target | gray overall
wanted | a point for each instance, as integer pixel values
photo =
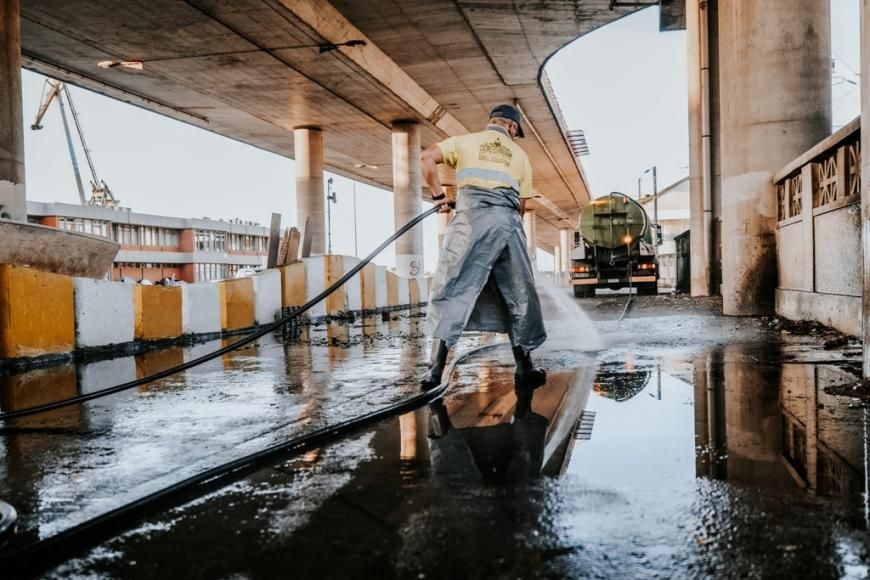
(484, 279)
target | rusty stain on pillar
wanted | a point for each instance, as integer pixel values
(408, 197)
(13, 204)
(308, 146)
(776, 104)
(865, 176)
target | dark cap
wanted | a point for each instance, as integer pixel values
(510, 113)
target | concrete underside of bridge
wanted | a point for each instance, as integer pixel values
(254, 70)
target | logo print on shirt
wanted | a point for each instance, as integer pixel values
(495, 152)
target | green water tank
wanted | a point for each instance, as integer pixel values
(613, 220)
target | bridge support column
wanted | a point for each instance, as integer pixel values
(530, 225)
(13, 203)
(566, 243)
(308, 145)
(408, 197)
(865, 174)
(557, 265)
(776, 104)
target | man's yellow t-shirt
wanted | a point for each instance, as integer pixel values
(488, 159)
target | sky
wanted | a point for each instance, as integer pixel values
(624, 85)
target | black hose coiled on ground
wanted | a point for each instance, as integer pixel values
(230, 347)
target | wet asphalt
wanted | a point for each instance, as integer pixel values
(687, 445)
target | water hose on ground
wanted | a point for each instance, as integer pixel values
(42, 554)
(230, 347)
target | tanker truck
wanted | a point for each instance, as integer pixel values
(615, 247)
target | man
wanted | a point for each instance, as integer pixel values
(484, 279)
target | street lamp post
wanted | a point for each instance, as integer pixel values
(655, 193)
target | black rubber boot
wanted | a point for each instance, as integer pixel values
(526, 375)
(436, 366)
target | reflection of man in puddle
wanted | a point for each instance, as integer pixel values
(484, 279)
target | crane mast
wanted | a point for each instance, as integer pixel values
(101, 195)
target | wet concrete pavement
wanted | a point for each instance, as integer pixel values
(691, 445)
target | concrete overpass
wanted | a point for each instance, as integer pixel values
(356, 87)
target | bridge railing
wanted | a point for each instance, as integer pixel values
(830, 171)
(818, 233)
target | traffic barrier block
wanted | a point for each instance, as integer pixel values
(267, 296)
(292, 284)
(315, 278)
(381, 299)
(336, 302)
(201, 308)
(104, 312)
(37, 313)
(157, 312)
(237, 303)
(353, 287)
(413, 291)
(368, 287)
(424, 289)
(392, 289)
(404, 291)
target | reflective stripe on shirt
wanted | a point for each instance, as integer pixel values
(489, 174)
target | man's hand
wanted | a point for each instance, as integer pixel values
(445, 205)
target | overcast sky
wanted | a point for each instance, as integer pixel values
(624, 84)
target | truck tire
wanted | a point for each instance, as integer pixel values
(584, 291)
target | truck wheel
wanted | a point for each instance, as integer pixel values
(584, 292)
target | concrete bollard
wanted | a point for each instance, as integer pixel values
(157, 312)
(37, 313)
(237, 304)
(292, 285)
(392, 290)
(267, 296)
(368, 287)
(104, 312)
(201, 309)
(315, 278)
(381, 297)
(353, 287)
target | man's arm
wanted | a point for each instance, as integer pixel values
(523, 206)
(429, 161)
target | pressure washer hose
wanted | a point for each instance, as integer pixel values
(230, 347)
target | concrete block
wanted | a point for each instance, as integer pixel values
(840, 312)
(104, 312)
(201, 308)
(315, 282)
(353, 287)
(404, 291)
(37, 313)
(237, 303)
(413, 291)
(267, 296)
(381, 298)
(292, 284)
(336, 303)
(157, 312)
(368, 287)
(392, 289)
(425, 284)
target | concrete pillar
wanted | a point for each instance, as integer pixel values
(13, 203)
(557, 264)
(308, 145)
(566, 242)
(776, 104)
(530, 225)
(865, 174)
(408, 197)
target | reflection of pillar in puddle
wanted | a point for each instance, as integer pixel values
(710, 443)
(753, 420)
(338, 336)
(414, 432)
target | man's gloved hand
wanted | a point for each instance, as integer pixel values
(445, 205)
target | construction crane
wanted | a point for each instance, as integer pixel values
(101, 195)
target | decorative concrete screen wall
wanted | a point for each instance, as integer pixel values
(201, 308)
(267, 296)
(818, 233)
(104, 312)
